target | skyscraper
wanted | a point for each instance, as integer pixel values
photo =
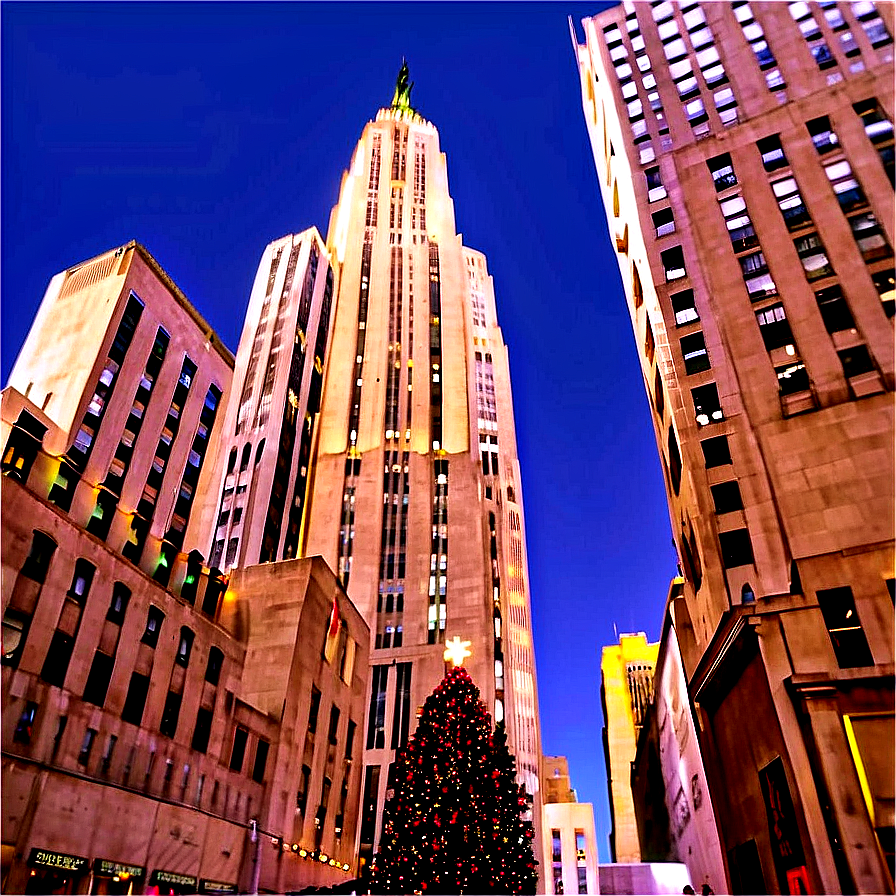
(416, 497)
(745, 156)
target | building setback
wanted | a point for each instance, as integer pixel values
(745, 157)
(162, 732)
(416, 495)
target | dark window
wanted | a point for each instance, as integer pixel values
(154, 620)
(736, 548)
(707, 408)
(202, 731)
(135, 701)
(98, 679)
(170, 714)
(215, 663)
(848, 639)
(834, 309)
(63, 489)
(792, 378)
(86, 746)
(855, 361)
(673, 263)
(376, 716)
(663, 222)
(655, 188)
(191, 579)
(24, 442)
(167, 557)
(184, 647)
(726, 496)
(684, 307)
(58, 656)
(674, 461)
(103, 513)
(314, 709)
(261, 760)
(722, 172)
(302, 793)
(693, 350)
(350, 739)
(773, 327)
(822, 136)
(884, 283)
(334, 724)
(716, 452)
(772, 153)
(38, 561)
(81, 581)
(238, 753)
(659, 399)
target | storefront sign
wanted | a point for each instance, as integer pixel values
(105, 868)
(216, 886)
(60, 861)
(172, 878)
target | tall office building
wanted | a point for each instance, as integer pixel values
(416, 497)
(256, 508)
(745, 156)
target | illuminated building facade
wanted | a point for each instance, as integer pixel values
(416, 499)
(164, 731)
(745, 156)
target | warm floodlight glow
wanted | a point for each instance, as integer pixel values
(456, 651)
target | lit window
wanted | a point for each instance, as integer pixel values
(184, 647)
(813, 257)
(707, 407)
(841, 618)
(790, 202)
(772, 153)
(774, 327)
(664, 222)
(722, 172)
(822, 136)
(655, 188)
(792, 378)
(869, 237)
(81, 581)
(684, 307)
(154, 621)
(693, 350)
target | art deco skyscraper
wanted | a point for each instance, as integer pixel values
(416, 498)
(745, 155)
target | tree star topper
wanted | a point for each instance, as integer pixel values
(456, 651)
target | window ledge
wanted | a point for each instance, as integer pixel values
(866, 384)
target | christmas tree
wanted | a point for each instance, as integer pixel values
(455, 821)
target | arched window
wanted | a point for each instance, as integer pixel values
(746, 594)
(244, 460)
(184, 646)
(231, 461)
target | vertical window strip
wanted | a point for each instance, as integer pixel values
(373, 180)
(402, 710)
(438, 570)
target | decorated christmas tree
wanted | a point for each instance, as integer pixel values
(455, 821)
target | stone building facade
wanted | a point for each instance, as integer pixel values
(745, 157)
(142, 750)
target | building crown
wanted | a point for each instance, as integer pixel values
(401, 99)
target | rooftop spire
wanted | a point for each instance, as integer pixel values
(401, 99)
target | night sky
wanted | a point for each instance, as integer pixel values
(206, 130)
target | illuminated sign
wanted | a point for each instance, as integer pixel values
(216, 886)
(43, 858)
(171, 877)
(111, 869)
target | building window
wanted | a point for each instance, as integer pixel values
(773, 327)
(261, 760)
(314, 709)
(376, 730)
(86, 746)
(736, 548)
(170, 714)
(716, 452)
(238, 753)
(855, 361)
(707, 407)
(737, 221)
(184, 647)
(673, 263)
(118, 606)
(202, 731)
(822, 136)
(834, 309)
(154, 619)
(215, 664)
(693, 350)
(726, 496)
(813, 257)
(58, 657)
(674, 461)
(302, 792)
(334, 724)
(772, 153)
(15, 631)
(25, 726)
(24, 442)
(791, 203)
(98, 679)
(659, 399)
(38, 561)
(722, 172)
(655, 188)
(684, 307)
(869, 237)
(848, 639)
(81, 581)
(846, 188)
(663, 222)
(884, 283)
(792, 378)
(103, 513)
(135, 702)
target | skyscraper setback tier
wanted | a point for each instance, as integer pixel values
(416, 497)
(745, 155)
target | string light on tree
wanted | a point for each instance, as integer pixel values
(456, 651)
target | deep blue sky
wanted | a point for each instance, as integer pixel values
(206, 130)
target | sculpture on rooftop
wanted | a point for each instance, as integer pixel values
(401, 99)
